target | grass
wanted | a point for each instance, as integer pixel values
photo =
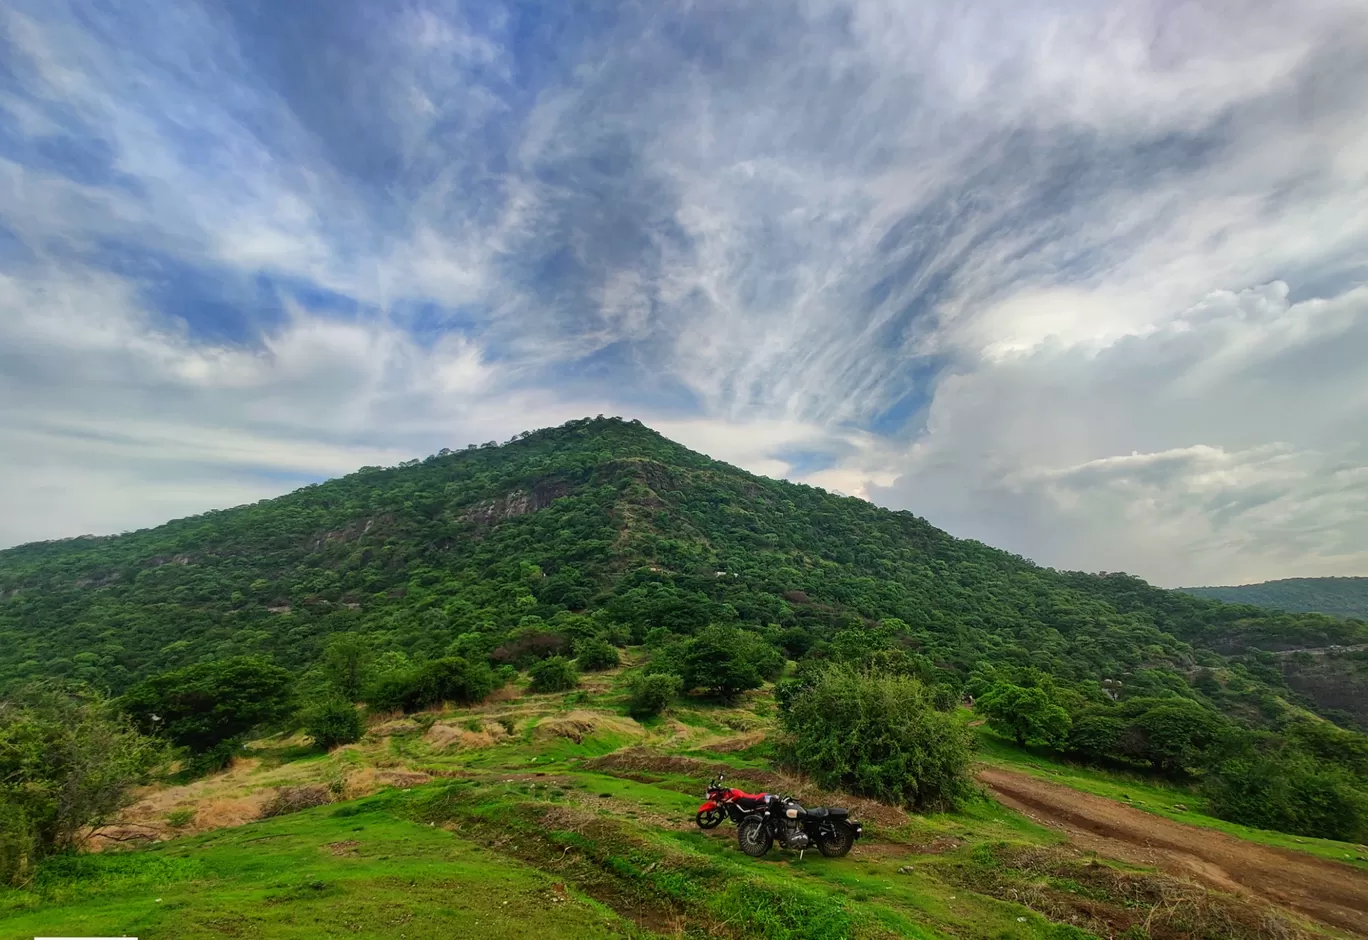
(311, 875)
(533, 839)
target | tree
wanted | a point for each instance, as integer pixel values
(1172, 735)
(1096, 736)
(595, 655)
(725, 661)
(1026, 714)
(556, 674)
(649, 695)
(209, 704)
(424, 685)
(333, 722)
(878, 735)
(1289, 792)
(346, 664)
(68, 760)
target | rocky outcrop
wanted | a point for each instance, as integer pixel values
(516, 503)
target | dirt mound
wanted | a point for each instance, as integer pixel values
(641, 759)
(1324, 890)
(579, 724)
(1109, 902)
(294, 799)
(447, 737)
(369, 780)
(739, 743)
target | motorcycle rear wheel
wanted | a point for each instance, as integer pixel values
(835, 840)
(753, 836)
(709, 818)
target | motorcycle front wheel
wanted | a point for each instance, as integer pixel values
(709, 818)
(835, 840)
(754, 836)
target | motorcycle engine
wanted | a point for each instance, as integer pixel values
(792, 833)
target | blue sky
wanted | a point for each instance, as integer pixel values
(1082, 280)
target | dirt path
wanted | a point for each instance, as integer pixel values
(1318, 888)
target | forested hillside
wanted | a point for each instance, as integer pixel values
(1342, 597)
(603, 527)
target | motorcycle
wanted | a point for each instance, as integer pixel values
(721, 802)
(784, 820)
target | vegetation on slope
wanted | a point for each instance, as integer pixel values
(438, 581)
(599, 524)
(554, 829)
(1341, 597)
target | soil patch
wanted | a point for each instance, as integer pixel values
(578, 724)
(1109, 902)
(1318, 888)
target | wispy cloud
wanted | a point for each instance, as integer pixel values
(1082, 280)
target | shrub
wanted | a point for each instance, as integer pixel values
(1024, 714)
(649, 695)
(450, 679)
(595, 655)
(346, 663)
(528, 645)
(207, 704)
(333, 722)
(180, 818)
(656, 637)
(725, 661)
(1291, 794)
(556, 674)
(1172, 735)
(1096, 736)
(68, 760)
(19, 847)
(876, 734)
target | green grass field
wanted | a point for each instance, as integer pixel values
(533, 833)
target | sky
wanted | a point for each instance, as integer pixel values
(1086, 281)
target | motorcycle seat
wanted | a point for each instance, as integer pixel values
(822, 812)
(751, 800)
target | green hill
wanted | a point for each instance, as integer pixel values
(599, 524)
(1341, 597)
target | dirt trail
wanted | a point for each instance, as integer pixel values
(1329, 892)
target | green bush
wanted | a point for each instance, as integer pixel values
(333, 722)
(649, 695)
(1096, 736)
(346, 663)
(878, 735)
(722, 661)
(68, 760)
(19, 847)
(1289, 793)
(1172, 734)
(180, 818)
(1024, 714)
(656, 637)
(450, 679)
(208, 704)
(595, 655)
(556, 674)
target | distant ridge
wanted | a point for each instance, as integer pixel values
(1340, 597)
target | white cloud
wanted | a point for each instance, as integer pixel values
(1106, 261)
(1226, 445)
